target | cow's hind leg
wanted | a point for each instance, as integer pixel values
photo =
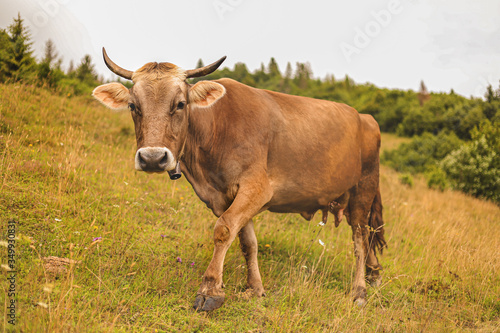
(373, 269)
(359, 207)
(249, 247)
(376, 241)
(359, 236)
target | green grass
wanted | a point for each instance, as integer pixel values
(67, 176)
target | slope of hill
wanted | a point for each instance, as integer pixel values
(136, 245)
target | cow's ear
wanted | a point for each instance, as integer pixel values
(113, 95)
(206, 93)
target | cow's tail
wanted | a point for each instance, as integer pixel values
(376, 223)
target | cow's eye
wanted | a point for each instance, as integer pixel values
(134, 109)
(181, 105)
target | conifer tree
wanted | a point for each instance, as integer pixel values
(302, 75)
(49, 69)
(50, 53)
(423, 94)
(242, 74)
(260, 75)
(71, 68)
(288, 71)
(199, 64)
(86, 71)
(20, 61)
(273, 69)
(240, 71)
(4, 54)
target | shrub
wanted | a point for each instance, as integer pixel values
(436, 179)
(422, 153)
(406, 179)
(474, 168)
(416, 122)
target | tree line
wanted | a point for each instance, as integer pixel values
(18, 63)
(455, 140)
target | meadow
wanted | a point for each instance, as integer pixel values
(132, 247)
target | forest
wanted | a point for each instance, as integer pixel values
(454, 140)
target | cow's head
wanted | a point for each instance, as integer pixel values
(159, 101)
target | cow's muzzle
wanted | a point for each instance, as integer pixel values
(154, 159)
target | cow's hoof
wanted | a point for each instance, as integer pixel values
(250, 292)
(208, 303)
(360, 302)
(375, 282)
(258, 290)
(359, 296)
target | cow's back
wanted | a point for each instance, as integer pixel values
(311, 148)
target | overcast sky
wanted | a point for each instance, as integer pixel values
(450, 44)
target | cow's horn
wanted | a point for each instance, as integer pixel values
(202, 71)
(126, 74)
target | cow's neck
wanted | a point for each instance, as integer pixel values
(200, 137)
(198, 159)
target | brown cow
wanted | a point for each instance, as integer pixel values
(246, 150)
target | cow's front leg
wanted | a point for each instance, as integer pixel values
(360, 201)
(248, 202)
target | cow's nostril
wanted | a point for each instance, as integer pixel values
(164, 160)
(141, 160)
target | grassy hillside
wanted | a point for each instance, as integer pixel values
(141, 242)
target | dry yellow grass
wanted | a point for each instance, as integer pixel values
(392, 141)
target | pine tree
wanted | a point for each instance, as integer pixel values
(240, 71)
(50, 54)
(4, 54)
(71, 68)
(348, 83)
(423, 94)
(273, 69)
(49, 69)
(302, 75)
(20, 62)
(492, 105)
(491, 94)
(286, 81)
(199, 64)
(329, 78)
(260, 75)
(288, 71)
(241, 74)
(86, 71)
